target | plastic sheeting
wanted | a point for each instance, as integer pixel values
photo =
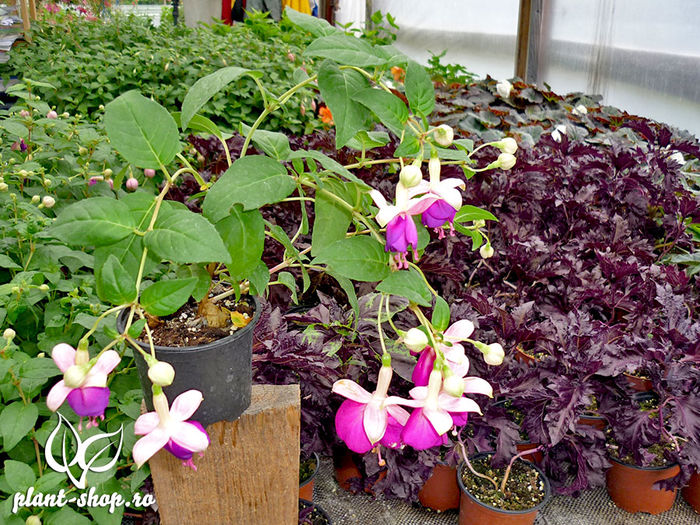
(643, 56)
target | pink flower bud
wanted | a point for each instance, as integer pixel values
(95, 180)
(52, 114)
(24, 113)
(132, 184)
(149, 172)
(290, 56)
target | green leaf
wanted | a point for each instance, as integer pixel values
(115, 284)
(466, 145)
(389, 109)
(287, 279)
(49, 481)
(329, 164)
(409, 147)
(19, 475)
(349, 289)
(472, 213)
(259, 278)
(205, 88)
(166, 297)
(419, 89)
(357, 258)
(137, 327)
(243, 233)
(409, 284)
(15, 128)
(277, 233)
(315, 26)
(183, 236)
(142, 130)
(338, 88)
(67, 516)
(367, 140)
(274, 144)
(16, 421)
(95, 221)
(332, 219)
(346, 50)
(252, 181)
(39, 368)
(199, 123)
(203, 279)
(441, 314)
(6, 262)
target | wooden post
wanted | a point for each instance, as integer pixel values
(32, 9)
(248, 475)
(528, 40)
(24, 14)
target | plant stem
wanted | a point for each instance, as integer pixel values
(379, 323)
(465, 457)
(512, 461)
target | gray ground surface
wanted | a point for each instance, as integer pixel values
(591, 508)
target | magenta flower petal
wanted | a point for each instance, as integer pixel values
(459, 418)
(421, 373)
(350, 428)
(419, 433)
(438, 214)
(89, 401)
(183, 452)
(392, 435)
(401, 233)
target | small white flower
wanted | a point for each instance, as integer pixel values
(48, 201)
(444, 135)
(558, 132)
(580, 110)
(486, 251)
(9, 334)
(504, 88)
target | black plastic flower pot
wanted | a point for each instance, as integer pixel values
(221, 370)
(312, 514)
(472, 511)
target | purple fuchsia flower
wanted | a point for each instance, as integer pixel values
(453, 352)
(436, 411)
(447, 199)
(168, 428)
(84, 382)
(365, 419)
(400, 229)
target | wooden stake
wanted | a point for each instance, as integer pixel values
(249, 475)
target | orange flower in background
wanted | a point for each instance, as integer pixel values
(326, 116)
(399, 74)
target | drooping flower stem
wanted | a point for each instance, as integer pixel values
(465, 457)
(99, 320)
(425, 280)
(512, 461)
(379, 324)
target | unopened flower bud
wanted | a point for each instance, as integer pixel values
(486, 251)
(507, 145)
(444, 135)
(504, 88)
(149, 172)
(101, 107)
(506, 161)
(3, 186)
(75, 376)
(24, 113)
(41, 354)
(65, 114)
(33, 520)
(434, 169)
(44, 287)
(161, 373)
(94, 180)
(580, 110)
(9, 334)
(23, 173)
(132, 184)
(52, 114)
(558, 132)
(415, 339)
(35, 199)
(453, 385)
(479, 223)
(48, 201)
(290, 56)
(47, 183)
(410, 176)
(494, 354)
(82, 150)
(107, 173)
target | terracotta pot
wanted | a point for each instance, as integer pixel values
(535, 457)
(440, 491)
(306, 487)
(640, 384)
(522, 356)
(691, 492)
(593, 420)
(632, 488)
(474, 512)
(345, 464)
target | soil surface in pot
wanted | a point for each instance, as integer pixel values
(306, 468)
(311, 515)
(524, 489)
(187, 327)
(655, 452)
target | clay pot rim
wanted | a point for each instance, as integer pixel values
(638, 467)
(547, 488)
(165, 350)
(313, 474)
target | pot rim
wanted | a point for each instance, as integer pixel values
(313, 474)
(317, 507)
(547, 488)
(638, 467)
(197, 348)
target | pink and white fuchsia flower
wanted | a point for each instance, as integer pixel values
(84, 383)
(448, 200)
(167, 428)
(401, 231)
(453, 353)
(365, 419)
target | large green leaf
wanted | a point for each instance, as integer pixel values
(206, 87)
(19, 476)
(338, 88)
(166, 297)
(357, 258)
(116, 284)
(441, 314)
(252, 181)
(408, 284)
(472, 213)
(142, 130)
(16, 421)
(346, 50)
(95, 221)
(243, 233)
(183, 236)
(389, 109)
(315, 26)
(330, 164)
(272, 143)
(419, 89)
(332, 219)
